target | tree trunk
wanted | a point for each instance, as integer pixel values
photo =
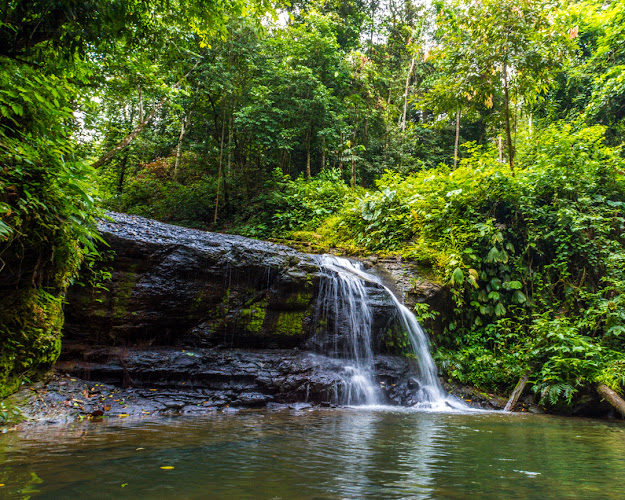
(122, 175)
(341, 155)
(518, 390)
(221, 155)
(110, 154)
(500, 148)
(403, 119)
(612, 397)
(183, 130)
(140, 105)
(228, 172)
(457, 138)
(506, 100)
(308, 136)
(354, 160)
(323, 152)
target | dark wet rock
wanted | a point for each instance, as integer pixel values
(163, 383)
(183, 287)
(414, 285)
(218, 378)
(193, 322)
(173, 286)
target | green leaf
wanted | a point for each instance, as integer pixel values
(519, 297)
(500, 310)
(493, 255)
(457, 277)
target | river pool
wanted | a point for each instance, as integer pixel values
(320, 454)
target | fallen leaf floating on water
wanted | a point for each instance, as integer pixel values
(166, 467)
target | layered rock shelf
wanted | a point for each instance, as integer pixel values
(229, 319)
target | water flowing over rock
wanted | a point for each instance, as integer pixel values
(235, 321)
(344, 296)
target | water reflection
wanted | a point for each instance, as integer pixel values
(346, 453)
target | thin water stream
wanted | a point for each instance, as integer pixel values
(330, 454)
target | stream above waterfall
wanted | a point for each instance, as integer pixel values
(321, 453)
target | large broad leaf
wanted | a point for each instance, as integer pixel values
(493, 255)
(500, 310)
(519, 297)
(457, 277)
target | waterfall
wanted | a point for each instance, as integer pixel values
(344, 297)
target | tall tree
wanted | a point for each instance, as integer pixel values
(507, 48)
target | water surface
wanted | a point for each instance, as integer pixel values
(320, 454)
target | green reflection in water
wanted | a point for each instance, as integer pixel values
(346, 453)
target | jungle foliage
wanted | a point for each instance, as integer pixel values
(478, 139)
(534, 261)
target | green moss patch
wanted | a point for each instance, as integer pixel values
(123, 293)
(290, 323)
(253, 317)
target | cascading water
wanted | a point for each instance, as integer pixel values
(344, 296)
(343, 293)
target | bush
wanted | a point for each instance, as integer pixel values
(46, 219)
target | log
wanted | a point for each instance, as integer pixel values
(612, 397)
(518, 390)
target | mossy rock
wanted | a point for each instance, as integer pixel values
(290, 323)
(125, 286)
(30, 338)
(252, 318)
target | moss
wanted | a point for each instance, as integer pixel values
(199, 301)
(31, 338)
(301, 299)
(290, 323)
(253, 318)
(124, 292)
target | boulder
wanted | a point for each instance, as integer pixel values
(187, 309)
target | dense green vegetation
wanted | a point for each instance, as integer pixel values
(480, 140)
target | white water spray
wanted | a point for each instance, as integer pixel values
(344, 291)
